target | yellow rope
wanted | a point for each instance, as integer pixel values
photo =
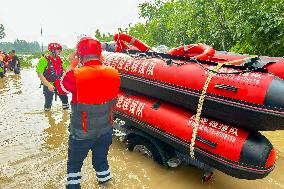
(201, 101)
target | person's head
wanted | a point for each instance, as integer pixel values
(12, 53)
(89, 50)
(54, 49)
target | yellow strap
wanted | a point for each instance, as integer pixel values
(201, 101)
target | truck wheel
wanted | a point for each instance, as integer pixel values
(145, 147)
(207, 176)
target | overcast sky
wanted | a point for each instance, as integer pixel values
(64, 20)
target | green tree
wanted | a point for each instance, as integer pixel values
(21, 46)
(2, 31)
(98, 34)
(255, 27)
(103, 37)
(258, 26)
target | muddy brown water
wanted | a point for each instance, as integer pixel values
(33, 150)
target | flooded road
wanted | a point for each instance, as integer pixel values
(33, 150)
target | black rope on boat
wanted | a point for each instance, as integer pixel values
(223, 73)
(246, 67)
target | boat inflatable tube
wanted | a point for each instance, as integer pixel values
(251, 100)
(121, 38)
(234, 151)
(198, 51)
(274, 65)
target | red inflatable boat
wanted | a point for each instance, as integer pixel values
(234, 151)
(121, 39)
(246, 98)
(274, 65)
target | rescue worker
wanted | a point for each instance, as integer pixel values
(14, 62)
(49, 68)
(3, 63)
(94, 89)
(5, 60)
(2, 67)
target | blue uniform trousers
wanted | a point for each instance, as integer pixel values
(78, 151)
(48, 96)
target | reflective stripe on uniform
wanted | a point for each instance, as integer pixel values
(104, 179)
(74, 174)
(65, 105)
(74, 178)
(74, 181)
(101, 173)
(62, 86)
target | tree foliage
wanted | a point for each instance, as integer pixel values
(103, 37)
(255, 27)
(2, 31)
(21, 46)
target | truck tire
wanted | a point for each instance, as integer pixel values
(145, 147)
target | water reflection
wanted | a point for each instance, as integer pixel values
(11, 84)
(16, 83)
(3, 85)
(56, 133)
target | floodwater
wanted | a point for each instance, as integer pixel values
(33, 150)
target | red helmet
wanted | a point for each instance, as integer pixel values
(89, 46)
(54, 46)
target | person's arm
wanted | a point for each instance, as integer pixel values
(45, 82)
(41, 66)
(66, 84)
(74, 60)
(16, 61)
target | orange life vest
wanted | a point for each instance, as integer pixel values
(96, 84)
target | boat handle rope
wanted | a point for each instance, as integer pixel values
(201, 102)
(225, 73)
(224, 63)
(244, 68)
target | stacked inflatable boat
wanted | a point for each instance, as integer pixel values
(160, 92)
